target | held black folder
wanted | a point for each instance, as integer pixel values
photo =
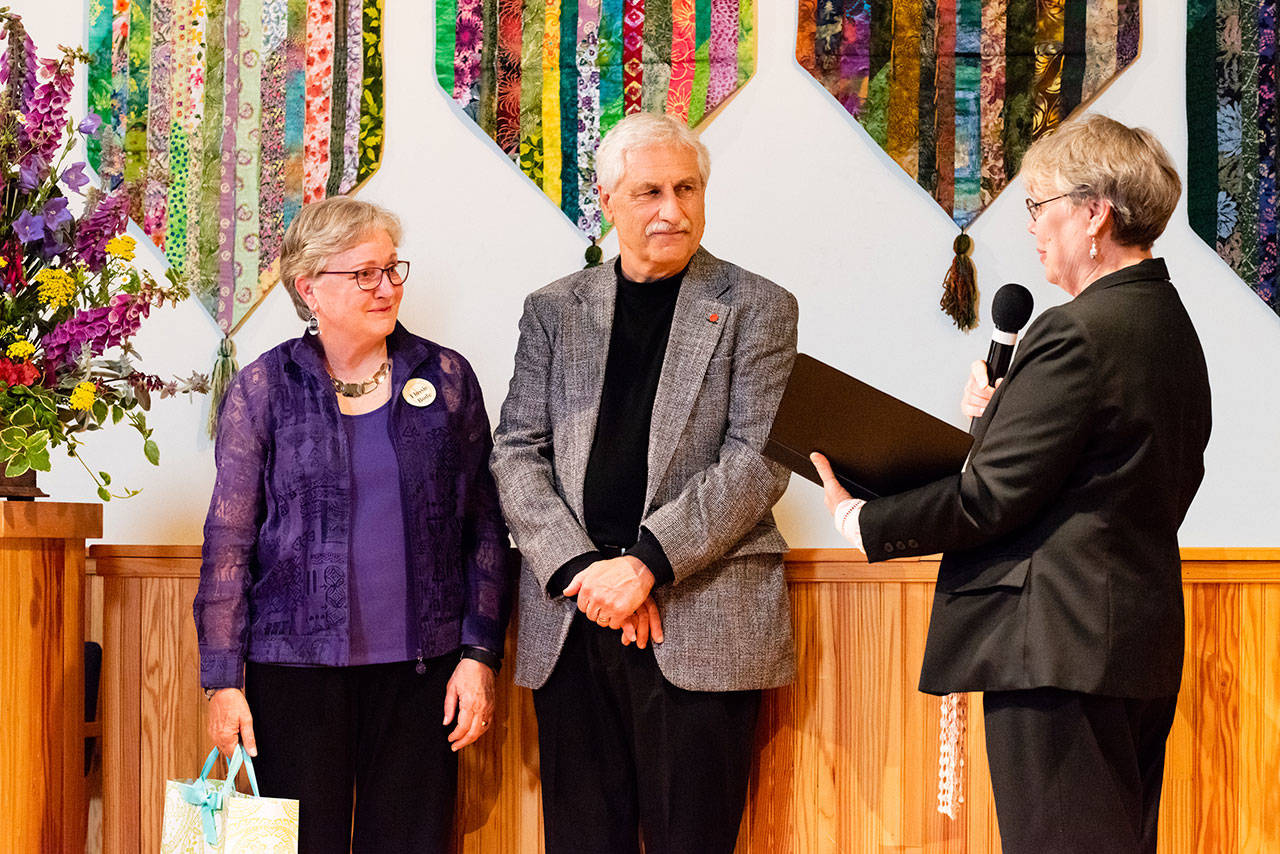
(877, 444)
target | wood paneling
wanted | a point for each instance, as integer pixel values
(152, 707)
(846, 757)
(41, 673)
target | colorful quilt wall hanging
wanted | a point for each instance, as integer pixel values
(1231, 136)
(222, 117)
(956, 90)
(546, 79)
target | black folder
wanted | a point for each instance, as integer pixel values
(877, 444)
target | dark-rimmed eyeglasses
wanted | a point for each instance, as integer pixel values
(1033, 207)
(369, 278)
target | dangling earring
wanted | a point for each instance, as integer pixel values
(313, 324)
(1093, 249)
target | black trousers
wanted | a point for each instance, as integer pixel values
(1076, 772)
(625, 752)
(358, 746)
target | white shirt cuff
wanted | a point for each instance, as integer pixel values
(846, 520)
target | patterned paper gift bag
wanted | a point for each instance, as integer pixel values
(205, 816)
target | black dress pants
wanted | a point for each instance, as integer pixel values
(1076, 772)
(358, 746)
(624, 752)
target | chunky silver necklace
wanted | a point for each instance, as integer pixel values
(361, 388)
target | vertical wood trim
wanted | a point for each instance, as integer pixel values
(918, 795)
(165, 753)
(122, 736)
(1259, 746)
(70, 560)
(115, 802)
(1216, 640)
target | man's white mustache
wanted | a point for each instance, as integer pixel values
(664, 227)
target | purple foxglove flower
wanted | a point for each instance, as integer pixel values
(74, 176)
(47, 110)
(55, 213)
(99, 328)
(107, 219)
(89, 126)
(28, 227)
(18, 70)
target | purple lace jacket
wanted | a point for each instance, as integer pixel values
(273, 581)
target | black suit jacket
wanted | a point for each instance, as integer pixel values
(1061, 564)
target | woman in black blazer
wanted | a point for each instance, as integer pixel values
(1059, 594)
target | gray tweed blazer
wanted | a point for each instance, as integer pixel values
(726, 619)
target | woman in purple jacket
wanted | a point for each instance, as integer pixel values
(354, 586)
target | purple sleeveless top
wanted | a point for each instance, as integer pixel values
(377, 576)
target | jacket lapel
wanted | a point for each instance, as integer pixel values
(693, 338)
(585, 341)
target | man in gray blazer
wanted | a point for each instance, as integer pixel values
(629, 468)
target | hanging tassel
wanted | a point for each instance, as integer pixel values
(224, 371)
(960, 297)
(594, 255)
(951, 729)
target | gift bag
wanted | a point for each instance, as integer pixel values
(205, 816)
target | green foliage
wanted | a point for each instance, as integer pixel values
(54, 388)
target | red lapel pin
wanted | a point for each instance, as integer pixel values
(714, 318)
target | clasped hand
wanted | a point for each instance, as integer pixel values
(614, 593)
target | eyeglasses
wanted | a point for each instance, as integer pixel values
(1033, 207)
(369, 278)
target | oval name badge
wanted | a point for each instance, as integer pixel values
(419, 392)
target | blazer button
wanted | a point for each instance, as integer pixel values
(913, 544)
(888, 547)
(902, 546)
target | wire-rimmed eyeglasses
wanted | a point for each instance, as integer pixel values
(369, 278)
(1033, 207)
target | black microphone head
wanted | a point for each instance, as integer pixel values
(1011, 307)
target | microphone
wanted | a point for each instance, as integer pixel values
(1010, 311)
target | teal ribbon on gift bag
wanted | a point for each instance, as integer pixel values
(211, 795)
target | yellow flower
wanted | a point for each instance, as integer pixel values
(82, 396)
(121, 247)
(56, 287)
(21, 350)
(3, 262)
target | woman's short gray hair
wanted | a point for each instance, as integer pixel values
(1098, 157)
(323, 229)
(643, 130)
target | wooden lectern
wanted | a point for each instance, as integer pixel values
(42, 806)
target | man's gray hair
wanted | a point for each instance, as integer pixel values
(644, 130)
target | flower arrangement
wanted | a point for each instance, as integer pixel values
(70, 301)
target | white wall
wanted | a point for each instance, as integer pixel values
(798, 193)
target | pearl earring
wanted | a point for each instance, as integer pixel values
(1093, 247)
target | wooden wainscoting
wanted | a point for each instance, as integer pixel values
(846, 757)
(42, 802)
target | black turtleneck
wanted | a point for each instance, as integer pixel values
(617, 472)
